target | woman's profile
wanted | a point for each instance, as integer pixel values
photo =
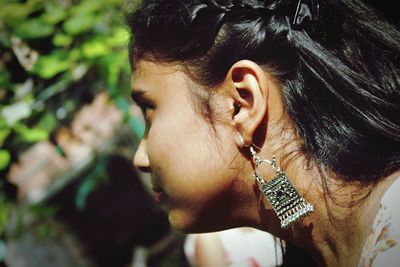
(278, 115)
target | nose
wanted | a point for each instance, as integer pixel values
(141, 160)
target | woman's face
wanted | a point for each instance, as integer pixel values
(192, 173)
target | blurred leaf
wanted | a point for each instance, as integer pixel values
(4, 39)
(33, 28)
(48, 122)
(43, 211)
(86, 7)
(2, 249)
(3, 123)
(92, 181)
(113, 64)
(119, 37)
(55, 88)
(5, 159)
(50, 65)
(79, 24)
(16, 112)
(2, 94)
(112, 2)
(4, 212)
(4, 133)
(4, 77)
(95, 49)
(12, 11)
(75, 54)
(31, 134)
(54, 14)
(83, 192)
(70, 105)
(43, 231)
(136, 125)
(62, 39)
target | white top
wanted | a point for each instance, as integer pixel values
(386, 251)
(243, 247)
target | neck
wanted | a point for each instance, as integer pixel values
(335, 234)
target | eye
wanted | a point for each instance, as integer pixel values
(146, 108)
(140, 98)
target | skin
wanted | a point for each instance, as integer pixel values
(209, 251)
(203, 176)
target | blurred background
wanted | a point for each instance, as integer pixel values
(69, 195)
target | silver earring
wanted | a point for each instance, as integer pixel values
(288, 205)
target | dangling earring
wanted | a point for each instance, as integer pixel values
(288, 205)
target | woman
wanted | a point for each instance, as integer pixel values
(279, 115)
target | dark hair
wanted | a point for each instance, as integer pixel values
(339, 77)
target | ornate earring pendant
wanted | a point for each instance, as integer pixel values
(288, 205)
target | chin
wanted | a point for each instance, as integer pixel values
(180, 223)
(187, 224)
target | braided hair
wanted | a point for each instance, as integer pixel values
(338, 67)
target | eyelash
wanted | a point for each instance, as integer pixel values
(145, 107)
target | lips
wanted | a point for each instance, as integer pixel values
(159, 198)
(156, 189)
(159, 195)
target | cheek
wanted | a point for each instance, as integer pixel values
(181, 151)
(187, 162)
(192, 167)
(179, 137)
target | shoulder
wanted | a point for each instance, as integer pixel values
(387, 250)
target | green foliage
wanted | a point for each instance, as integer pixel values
(44, 214)
(43, 211)
(3, 135)
(92, 181)
(51, 53)
(30, 135)
(58, 60)
(51, 47)
(5, 207)
(33, 28)
(5, 159)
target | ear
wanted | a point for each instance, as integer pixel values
(249, 83)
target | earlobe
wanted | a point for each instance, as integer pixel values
(250, 86)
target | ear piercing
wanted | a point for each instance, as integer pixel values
(236, 108)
